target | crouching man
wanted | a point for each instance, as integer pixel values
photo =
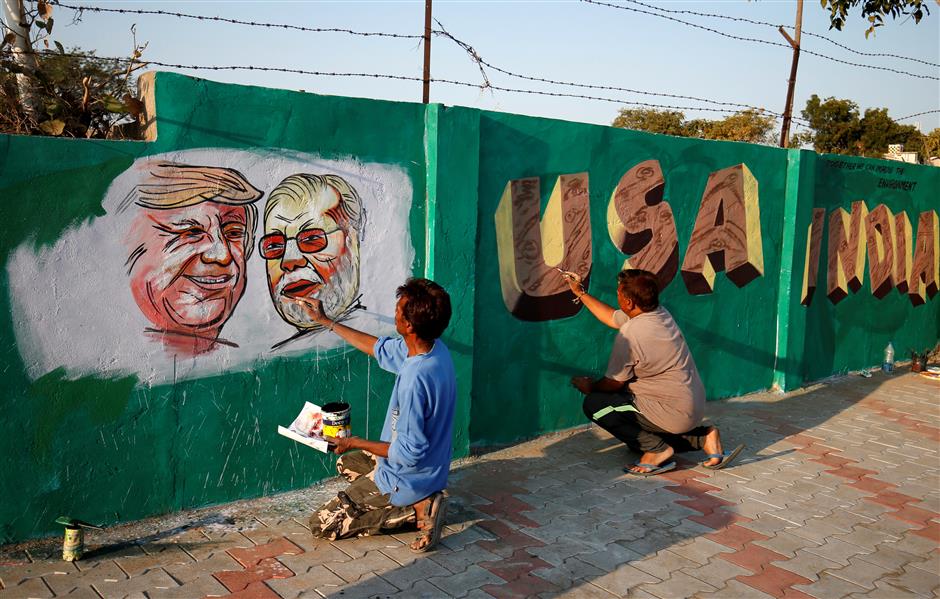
(651, 396)
(401, 478)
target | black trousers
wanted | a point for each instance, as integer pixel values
(611, 411)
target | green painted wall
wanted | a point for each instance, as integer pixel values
(111, 448)
(731, 331)
(108, 450)
(853, 333)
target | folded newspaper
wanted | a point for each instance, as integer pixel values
(307, 428)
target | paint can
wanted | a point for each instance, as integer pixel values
(73, 546)
(336, 419)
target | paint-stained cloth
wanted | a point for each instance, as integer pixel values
(651, 354)
(361, 509)
(419, 423)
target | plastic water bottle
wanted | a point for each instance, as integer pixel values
(888, 364)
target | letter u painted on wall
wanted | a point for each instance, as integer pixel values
(530, 249)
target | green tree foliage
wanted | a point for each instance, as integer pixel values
(838, 128)
(874, 11)
(70, 94)
(931, 145)
(747, 125)
(667, 122)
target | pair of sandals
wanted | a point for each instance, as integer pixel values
(430, 520)
(653, 469)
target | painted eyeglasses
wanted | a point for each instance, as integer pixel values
(309, 241)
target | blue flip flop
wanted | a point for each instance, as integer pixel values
(726, 458)
(654, 469)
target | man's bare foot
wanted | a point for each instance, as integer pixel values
(712, 445)
(429, 515)
(657, 459)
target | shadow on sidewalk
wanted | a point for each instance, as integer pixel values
(545, 517)
(551, 515)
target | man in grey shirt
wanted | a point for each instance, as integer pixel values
(651, 396)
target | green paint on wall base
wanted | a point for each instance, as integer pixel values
(110, 448)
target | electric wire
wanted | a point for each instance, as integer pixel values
(761, 41)
(777, 26)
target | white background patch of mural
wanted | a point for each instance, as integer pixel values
(177, 279)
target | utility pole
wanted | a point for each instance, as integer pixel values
(427, 51)
(795, 43)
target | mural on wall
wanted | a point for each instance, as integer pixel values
(811, 264)
(169, 264)
(530, 250)
(324, 217)
(640, 222)
(726, 235)
(189, 243)
(846, 265)
(886, 240)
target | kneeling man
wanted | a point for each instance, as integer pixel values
(651, 397)
(401, 478)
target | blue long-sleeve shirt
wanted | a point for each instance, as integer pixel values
(419, 423)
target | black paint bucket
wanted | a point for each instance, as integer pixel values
(336, 419)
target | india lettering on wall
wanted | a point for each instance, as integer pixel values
(195, 265)
(895, 259)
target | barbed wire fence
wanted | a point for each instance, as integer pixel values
(692, 103)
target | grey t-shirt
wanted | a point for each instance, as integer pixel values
(651, 349)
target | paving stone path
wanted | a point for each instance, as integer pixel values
(837, 495)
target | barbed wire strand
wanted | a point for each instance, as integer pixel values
(379, 76)
(83, 8)
(475, 56)
(776, 26)
(760, 41)
(469, 49)
(910, 116)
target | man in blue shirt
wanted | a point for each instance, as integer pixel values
(401, 478)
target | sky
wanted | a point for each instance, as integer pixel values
(571, 41)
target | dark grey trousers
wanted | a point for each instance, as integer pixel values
(611, 411)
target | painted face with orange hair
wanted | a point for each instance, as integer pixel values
(190, 242)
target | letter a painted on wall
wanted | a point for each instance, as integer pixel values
(641, 223)
(727, 232)
(529, 250)
(924, 273)
(879, 232)
(811, 265)
(846, 261)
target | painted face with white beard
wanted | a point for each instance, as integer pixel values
(311, 246)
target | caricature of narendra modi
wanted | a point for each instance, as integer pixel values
(312, 228)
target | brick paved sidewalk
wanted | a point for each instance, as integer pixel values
(837, 495)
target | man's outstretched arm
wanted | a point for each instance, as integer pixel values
(599, 309)
(344, 444)
(364, 342)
